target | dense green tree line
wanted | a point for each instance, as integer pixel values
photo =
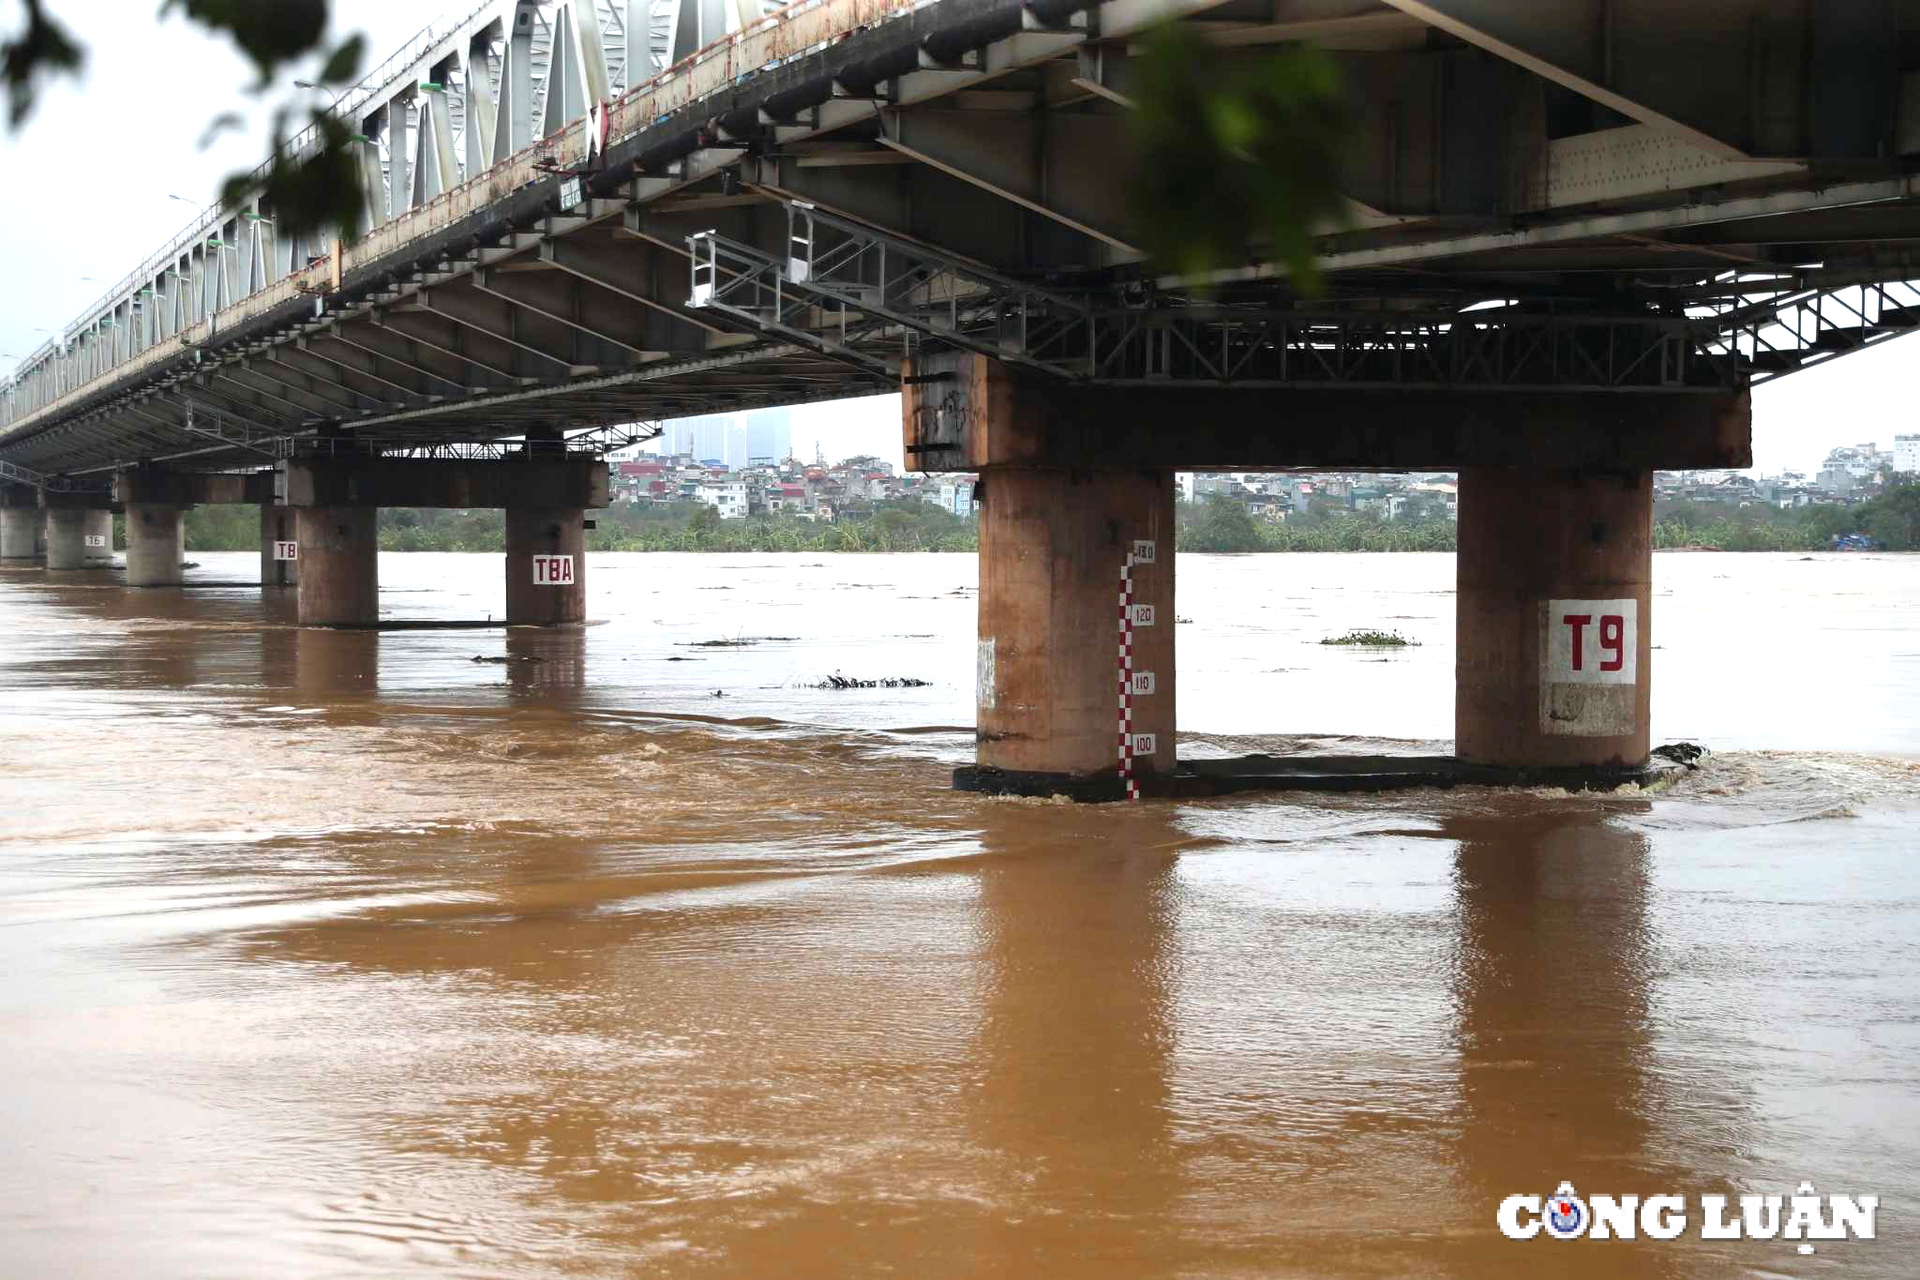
(1219, 524)
(892, 526)
(1892, 520)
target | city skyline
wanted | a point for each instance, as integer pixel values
(735, 439)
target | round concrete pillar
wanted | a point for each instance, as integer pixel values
(277, 536)
(79, 538)
(339, 566)
(154, 535)
(546, 566)
(1555, 581)
(19, 532)
(1053, 545)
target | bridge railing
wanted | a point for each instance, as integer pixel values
(300, 144)
(762, 43)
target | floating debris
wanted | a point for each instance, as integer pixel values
(1680, 753)
(1371, 639)
(738, 642)
(838, 681)
(502, 661)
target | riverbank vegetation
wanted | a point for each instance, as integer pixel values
(1219, 525)
(892, 526)
(1892, 520)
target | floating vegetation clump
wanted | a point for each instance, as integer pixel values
(837, 681)
(1371, 639)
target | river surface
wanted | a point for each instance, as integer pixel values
(343, 954)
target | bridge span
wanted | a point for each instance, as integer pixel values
(1578, 232)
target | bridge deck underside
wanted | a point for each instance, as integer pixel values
(1000, 153)
(238, 425)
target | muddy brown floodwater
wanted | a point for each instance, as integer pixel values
(345, 954)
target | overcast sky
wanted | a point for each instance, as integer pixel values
(90, 175)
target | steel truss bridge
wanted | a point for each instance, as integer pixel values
(580, 214)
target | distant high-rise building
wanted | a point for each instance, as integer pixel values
(769, 434)
(713, 437)
(732, 438)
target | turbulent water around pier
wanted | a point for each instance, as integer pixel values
(621, 952)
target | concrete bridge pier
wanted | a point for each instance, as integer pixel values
(156, 544)
(1061, 681)
(79, 531)
(19, 533)
(546, 566)
(339, 566)
(1554, 633)
(545, 495)
(20, 523)
(1554, 566)
(277, 530)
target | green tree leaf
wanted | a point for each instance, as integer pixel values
(42, 47)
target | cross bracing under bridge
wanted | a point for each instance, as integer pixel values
(1534, 202)
(851, 291)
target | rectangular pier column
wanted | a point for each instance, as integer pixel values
(79, 538)
(19, 533)
(546, 566)
(1555, 573)
(155, 536)
(1053, 544)
(277, 533)
(339, 566)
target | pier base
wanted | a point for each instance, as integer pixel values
(1554, 634)
(79, 538)
(546, 566)
(1053, 544)
(339, 566)
(1197, 779)
(155, 538)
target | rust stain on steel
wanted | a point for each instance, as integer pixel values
(775, 38)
